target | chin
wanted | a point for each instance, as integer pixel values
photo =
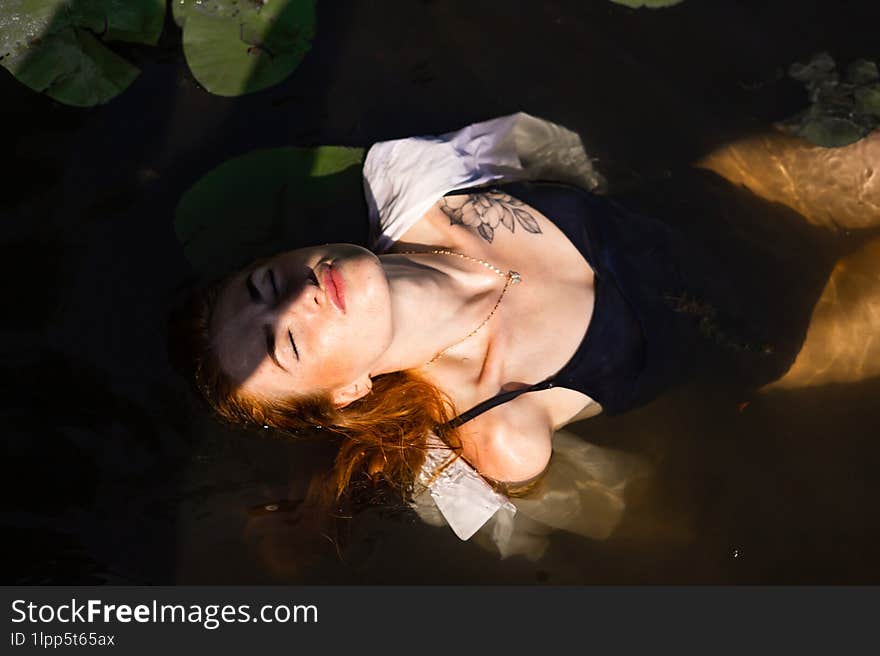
(368, 291)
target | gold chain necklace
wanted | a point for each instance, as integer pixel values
(512, 278)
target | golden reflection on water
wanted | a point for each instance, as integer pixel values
(837, 189)
(284, 536)
(843, 339)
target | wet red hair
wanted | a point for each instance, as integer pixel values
(382, 436)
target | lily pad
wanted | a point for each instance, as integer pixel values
(57, 46)
(841, 111)
(820, 67)
(868, 100)
(862, 71)
(271, 200)
(831, 132)
(234, 47)
(649, 4)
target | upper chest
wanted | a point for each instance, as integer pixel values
(539, 324)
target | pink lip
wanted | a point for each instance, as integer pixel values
(334, 286)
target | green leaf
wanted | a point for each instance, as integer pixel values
(56, 46)
(649, 4)
(180, 10)
(862, 71)
(74, 68)
(268, 201)
(134, 21)
(841, 111)
(820, 68)
(831, 132)
(868, 100)
(234, 47)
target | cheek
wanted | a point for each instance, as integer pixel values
(352, 348)
(266, 380)
(340, 357)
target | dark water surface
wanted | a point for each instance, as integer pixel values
(116, 475)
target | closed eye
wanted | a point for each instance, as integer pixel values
(270, 346)
(293, 344)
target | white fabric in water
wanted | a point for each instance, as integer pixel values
(461, 495)
(582, 492)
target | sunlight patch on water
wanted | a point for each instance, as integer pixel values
(843, 340)
(836, 188)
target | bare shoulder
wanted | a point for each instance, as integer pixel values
(510, 445)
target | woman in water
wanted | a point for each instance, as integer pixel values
(493, 309)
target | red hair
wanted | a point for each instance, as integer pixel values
(382, 436)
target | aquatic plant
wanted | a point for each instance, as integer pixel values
(266, 201)
(841, 111)
(58, 47)
(649, 4)
(234, 47)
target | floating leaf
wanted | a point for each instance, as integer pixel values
(841, 111)
(268, 201)
(868, 100)
(56, 46)
(180, 10)
(819, 68)
(831, 132)
(234, 47)
(862, 71)
(649, 4)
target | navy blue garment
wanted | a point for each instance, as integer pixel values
(633, 345)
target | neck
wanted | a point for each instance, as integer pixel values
(435, 301)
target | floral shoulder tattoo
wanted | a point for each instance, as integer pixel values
(488, 211)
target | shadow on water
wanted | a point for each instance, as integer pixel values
(130, 481)
(119, 461)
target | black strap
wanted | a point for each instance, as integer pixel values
(498, 399)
